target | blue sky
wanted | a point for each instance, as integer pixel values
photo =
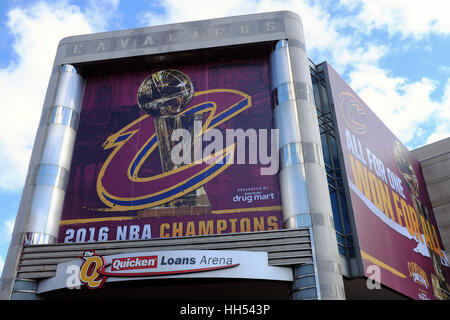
(393, 53)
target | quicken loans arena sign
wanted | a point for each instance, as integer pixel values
(93, 270)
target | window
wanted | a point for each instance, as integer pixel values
(332, 165)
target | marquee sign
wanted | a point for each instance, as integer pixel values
(93, 270)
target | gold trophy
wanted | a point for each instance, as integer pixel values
(440, 285)
(164, 95)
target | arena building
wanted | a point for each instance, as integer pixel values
(213, 160)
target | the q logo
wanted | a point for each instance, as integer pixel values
(89, 271)
(351, 110)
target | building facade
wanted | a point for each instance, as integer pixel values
(213, 159)
(435, 164)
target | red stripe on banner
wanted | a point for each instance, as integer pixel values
(143, 274)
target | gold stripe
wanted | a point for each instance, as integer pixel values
(66, 222)
(368, 257)
(247, 209)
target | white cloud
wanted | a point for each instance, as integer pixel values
(6, 229)
(415, 18)
(442, 130)
(322, 36)
(444, 69)
(100, 13)
(182, 11)
(404, 106)
(37, 31)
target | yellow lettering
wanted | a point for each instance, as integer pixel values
(190, 229)
(415, 223)
(233, 225)
(426, 233)
(162, 230)
(397, 208)
(177, 229)
(436, 241)
(258, 224)
(360, 176)
(375, 191)
(205, 227)
(245, 225)
(221, 226)
(405, 212)
(386, 200)
(272, 223)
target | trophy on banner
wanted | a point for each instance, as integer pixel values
(164, 95)
(440, 286)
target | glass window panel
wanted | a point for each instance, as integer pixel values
(326, 151)
(342, 250)
(324, 97)
(351, 252)
(345, 213)
(333, 150)
(340, 238)
(316, 92)
(335, 208)
(331, 181)
(350, 241)
(332, 166)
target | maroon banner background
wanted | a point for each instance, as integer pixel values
(241, 198)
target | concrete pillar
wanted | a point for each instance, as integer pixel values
(41, 205)
(304, 187)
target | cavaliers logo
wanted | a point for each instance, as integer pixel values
(168, 98)
(351, 109)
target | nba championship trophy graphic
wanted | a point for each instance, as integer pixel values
(164, 95)
(440, 286)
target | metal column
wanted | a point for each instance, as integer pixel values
(42, 199)
(304, 188)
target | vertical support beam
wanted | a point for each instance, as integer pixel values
(25, 289)
(49, 177)
(304, 187)
(41, 205)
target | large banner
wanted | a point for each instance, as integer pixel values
(396, 228)
(174, 151)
